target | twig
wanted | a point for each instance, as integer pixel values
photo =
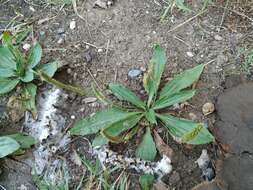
(106, 52)
(223, 16)
(92, 45)
(93, 78)
(189, 20)
(179, 39)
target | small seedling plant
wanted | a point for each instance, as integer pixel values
(118, 125)
(21, 69)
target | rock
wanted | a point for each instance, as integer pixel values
(174, 178)
(218, 37)
(206, 166)
(189, 54)
(208, 108)
(104, 4)
(88, 57)
(100, 50)
(203, 160)
(60, 41)
(237, 172)
(60, 31)
(234, 129)
(209, 186)
(134, 73)
(72, 25)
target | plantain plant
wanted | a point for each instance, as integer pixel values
(117, 124)
(17, 68)
(15, 144)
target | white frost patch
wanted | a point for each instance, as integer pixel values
(106, 156)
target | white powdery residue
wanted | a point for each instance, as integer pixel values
(39, 129)
(41, 157)
(106, 156)
(163, 167)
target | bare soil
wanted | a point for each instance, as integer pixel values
(107, 43)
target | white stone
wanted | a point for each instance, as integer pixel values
(189, 54)
(218, 37)
(72, 24)
(26, 47)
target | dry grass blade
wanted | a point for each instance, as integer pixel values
(162, 147)
(188, 20)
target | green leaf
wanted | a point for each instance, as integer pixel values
(7, 85)
(34, 56)
(21, 36)
(181, 5)
(182, 81)
(100, 120)
(123, 93)
(146, 181)
(174, 99)
(146, 149)
(49, 68)
(25, 141)
(99, 141)
(7, 59)
(28, 77)
(150, 116)
(112, 132)
(7, 146)
(186, 131)
(152, 78)
(6, 72)
(29, 94)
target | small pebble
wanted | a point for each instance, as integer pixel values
(60, 31)
(72, 25)
(109, 3)
(100, 50)
(73, 117)
(208, 108)
(75, 76)
(189, 54)
(32, 9)
(26, 47)
(218, 37)
(69, 71)
(134, 73)
(87, 57)
(60, 41)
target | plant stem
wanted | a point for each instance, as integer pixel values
(59, 84)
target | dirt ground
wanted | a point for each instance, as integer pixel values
(107, 43)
